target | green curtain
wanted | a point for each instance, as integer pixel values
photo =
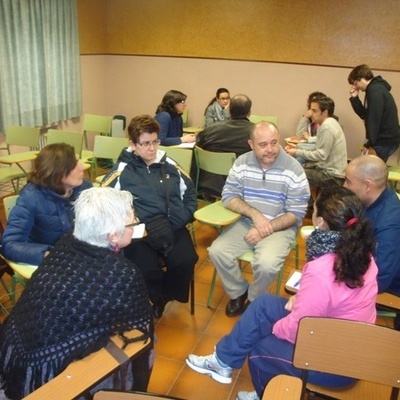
(40, 79)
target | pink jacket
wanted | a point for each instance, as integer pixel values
(321, 296)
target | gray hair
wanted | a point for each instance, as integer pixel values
(101, 211)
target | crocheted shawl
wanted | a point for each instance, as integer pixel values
(79, 296)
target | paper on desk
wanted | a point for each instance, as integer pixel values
(187, 145)
(294, 280)
(138, 231)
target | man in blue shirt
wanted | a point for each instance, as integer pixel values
(366, 176)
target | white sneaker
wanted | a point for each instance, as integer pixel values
(247, 396)
(210, 365)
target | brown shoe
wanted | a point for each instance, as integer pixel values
(236, 306)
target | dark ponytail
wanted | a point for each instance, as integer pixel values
(342, 211)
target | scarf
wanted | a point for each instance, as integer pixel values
(320, 243)
(219, 111)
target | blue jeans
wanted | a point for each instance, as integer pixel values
(268, 355)
(384, 152)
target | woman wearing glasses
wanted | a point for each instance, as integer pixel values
(158, 188)
(169, 116)
(218, 108)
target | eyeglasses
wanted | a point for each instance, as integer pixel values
(183, 101)
(147, 144)
(136, 222)
(224, 98)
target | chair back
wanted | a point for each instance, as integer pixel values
(259, 118)
(214, 162)
(22, 136)
(108, 146)
(185, 116)
(183, 157)
(97, 123)
(73, 138)
(348, 348)
(9, 202)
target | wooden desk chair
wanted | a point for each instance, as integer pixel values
(357, 350)
(259, 118)
(283, 387)
(115, 395)
(18, 136)
(82, 375)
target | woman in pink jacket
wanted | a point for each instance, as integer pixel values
(338, 281)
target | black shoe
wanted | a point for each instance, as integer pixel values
(159, 307)
(236, 306)
(158, 310)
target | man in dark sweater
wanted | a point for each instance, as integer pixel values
(366, 176)
(379, 111)
(227, 136)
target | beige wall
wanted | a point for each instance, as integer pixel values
(340, 32)
(275, 51)
(132, 85)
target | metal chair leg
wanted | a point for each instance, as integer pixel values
(212, 287)
(192, 296)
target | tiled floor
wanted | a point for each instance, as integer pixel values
(179, 333)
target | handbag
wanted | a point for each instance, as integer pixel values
(159, 234)
(158, 228)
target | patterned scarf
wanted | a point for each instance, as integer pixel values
(320, 243)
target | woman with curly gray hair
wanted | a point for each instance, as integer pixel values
(83, 292)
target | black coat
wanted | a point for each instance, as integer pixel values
(379, 113)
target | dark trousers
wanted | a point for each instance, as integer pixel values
(169, 276)
(384, 152)
(267, 355)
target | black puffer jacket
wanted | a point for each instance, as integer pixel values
(146, 184)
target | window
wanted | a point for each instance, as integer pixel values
(40, 65)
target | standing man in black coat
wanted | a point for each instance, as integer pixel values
(379, 111)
